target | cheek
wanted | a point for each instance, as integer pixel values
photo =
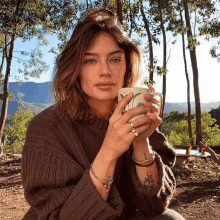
(84, 77)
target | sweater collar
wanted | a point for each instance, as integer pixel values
(100, 124)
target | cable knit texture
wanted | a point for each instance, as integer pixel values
(55, 172)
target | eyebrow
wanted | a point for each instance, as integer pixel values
(111, 53)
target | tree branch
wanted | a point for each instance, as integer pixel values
(214, 156)
(20, 59)
(6, 55)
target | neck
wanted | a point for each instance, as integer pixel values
(103, 108)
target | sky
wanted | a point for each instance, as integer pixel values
(209, 75)
(209, 70)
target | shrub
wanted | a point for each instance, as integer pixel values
(210, 131)
(15, 131)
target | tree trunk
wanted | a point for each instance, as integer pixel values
(7, 74)
(119, 10)
(6, 85)
(195, 76)
(131, 20)
(2, 63)
(188, 83)
(164, 59)
(151, 56)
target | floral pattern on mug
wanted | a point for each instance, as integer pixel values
(139, 104)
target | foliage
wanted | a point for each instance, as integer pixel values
(179, 133)
(23, 20)
(210, 131)
(37, 18)
(15, 131)
(170, 119)
(215, 113)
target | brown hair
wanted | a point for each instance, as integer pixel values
(70, 99)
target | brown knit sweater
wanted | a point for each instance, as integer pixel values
(56, 160)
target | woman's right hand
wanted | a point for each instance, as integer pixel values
(119, 135)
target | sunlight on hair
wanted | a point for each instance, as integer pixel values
(143, 75)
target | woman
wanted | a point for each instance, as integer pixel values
(81, 156)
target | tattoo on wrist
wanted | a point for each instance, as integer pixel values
(149, 183)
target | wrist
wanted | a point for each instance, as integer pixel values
(107, 157)
(142, 150)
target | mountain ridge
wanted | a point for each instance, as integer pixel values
(38, 96)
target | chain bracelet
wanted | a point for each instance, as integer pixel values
(108, 181)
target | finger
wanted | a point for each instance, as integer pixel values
(152, 107)
(137, 123)
(121, 105)
(139, 130)
(155, 120)
(151, 98)
(151, 87)
(133, 112)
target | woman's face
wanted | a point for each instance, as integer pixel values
(103, 69)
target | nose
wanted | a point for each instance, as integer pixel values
(104, 69)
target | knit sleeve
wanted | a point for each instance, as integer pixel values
(156, 201)
(59, 189)
(56, 185)
(160, 144)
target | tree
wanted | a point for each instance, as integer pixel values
(19, 19)
(162, 12)
(192, 47)
(179, 133)
(15, 131)
(210, 29)
(150, 41)
(119, 11)
(170, 119)
(202, 13)
(187, 75)
(25, 20)
(215, 113)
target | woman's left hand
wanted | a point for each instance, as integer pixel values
(153, 116)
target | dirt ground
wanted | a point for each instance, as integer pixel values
(197, 194)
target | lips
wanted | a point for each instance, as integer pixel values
(105, 84)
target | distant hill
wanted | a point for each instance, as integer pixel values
(35, 107)
(38, 96)
(34, 92)
(169, 107)
(182, 106)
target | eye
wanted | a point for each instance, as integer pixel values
(116, 60)
(90, 61)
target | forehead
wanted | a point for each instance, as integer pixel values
(103, 42)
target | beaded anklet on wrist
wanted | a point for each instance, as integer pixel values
(108, 181)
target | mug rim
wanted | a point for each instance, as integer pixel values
(134, 88)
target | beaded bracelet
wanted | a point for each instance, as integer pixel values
(106, 184)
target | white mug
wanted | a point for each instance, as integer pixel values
(138, 98)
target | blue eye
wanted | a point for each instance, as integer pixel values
(116, 60)
(90, 61)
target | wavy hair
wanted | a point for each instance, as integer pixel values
(70, 100)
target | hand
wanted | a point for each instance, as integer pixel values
(154, 120)
(119, 135)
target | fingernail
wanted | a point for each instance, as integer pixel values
(131, 93)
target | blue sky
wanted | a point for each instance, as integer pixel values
(209, 70)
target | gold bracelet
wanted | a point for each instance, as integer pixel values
(144, 163)
(106, 183)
